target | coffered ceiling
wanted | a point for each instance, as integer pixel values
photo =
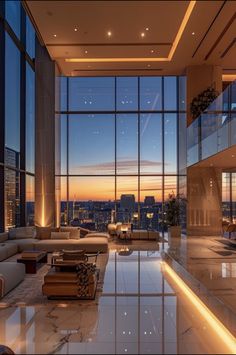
(136, 37)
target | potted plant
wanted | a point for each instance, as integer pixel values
(172, 215)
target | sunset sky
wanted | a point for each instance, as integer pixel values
(97, 140)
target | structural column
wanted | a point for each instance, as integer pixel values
(45, 139)
(204, 212)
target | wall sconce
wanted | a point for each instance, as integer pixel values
(149, 215)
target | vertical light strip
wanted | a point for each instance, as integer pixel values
(222, 332)
(43, 205)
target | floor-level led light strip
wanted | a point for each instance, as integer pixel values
(178, 36)
(222, 332)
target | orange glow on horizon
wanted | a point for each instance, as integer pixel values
(103, 188)
(179, 34)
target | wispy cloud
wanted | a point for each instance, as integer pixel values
(109, 167)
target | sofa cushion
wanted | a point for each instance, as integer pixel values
(97, 235)
(43, 233)
(90, 245)
(11, 249)
(24, 244)
(3, 237)
(74, 232)
(22, 233)
(60, 235)
(3, 252)
(11, 274)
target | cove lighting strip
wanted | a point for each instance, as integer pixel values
(184, 22)
(222, 332)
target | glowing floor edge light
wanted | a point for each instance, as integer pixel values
(223, 333)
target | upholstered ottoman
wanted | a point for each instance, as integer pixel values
(11, 274)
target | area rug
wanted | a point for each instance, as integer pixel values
(29, 291)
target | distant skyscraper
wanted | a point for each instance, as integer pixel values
(127, 202)
(149, 200)
(12, 189)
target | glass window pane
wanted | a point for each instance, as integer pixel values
(12, 198)
(170, 144)
(62, 198)
(91, 201)
(127, 198)
(12, 96)
(170, 95)
(63, 144)
(150, 201)
(170, 186)
(91, 144)
(150, 143)
(30, 38)
(233, 96)
(127, 143)
(30, 200)
(226, 196)
(233, 179)
(63, 91)
(30, 119)
(151, 93)
(127, 93)
(12, 9)
(91, 94)
(182, 143)
(182, 93)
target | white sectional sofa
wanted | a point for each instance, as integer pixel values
(49, 239)
(29, 238)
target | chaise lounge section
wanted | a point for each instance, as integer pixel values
(11, 274)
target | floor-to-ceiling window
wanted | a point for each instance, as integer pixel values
(120, 149)
(17, 115)
(229, 196)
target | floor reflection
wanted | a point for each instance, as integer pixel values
(139, 312)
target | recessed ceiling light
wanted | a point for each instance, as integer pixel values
(75, 29)
(109, 33)
(149, 65)
(193, 33)
(233, 155)
(85, 52)
(54, 35)
(147, 29)
(152, 51)
(142, 34)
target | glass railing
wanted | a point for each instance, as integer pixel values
(215, 129)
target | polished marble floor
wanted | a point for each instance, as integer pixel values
(210, 263)
(140, 311)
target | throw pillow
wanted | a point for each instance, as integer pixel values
(60, 235)
(45, 232)
(83, 231)
(74, 232)
(22, 233)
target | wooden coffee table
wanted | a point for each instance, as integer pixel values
(32, 260)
